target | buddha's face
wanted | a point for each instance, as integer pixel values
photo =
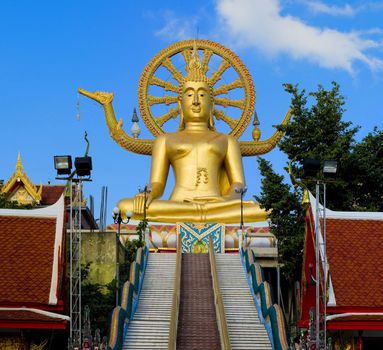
(196, 104)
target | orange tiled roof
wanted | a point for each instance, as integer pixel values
(355, 254)
(26, 256)
(51, 193)
(26, 315)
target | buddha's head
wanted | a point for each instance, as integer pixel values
(196, 95)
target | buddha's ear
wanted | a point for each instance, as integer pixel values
(211, 119)
(182, 124)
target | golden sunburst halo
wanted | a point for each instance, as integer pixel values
(173, 60)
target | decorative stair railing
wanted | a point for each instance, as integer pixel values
(219, 307)
(172, 345)
(123, 313)
(272, 314)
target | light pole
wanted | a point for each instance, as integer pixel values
(241, 191)
(145, 191)
(83, 165)
(117, 218)
(329, 170)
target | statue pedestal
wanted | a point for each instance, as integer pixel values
(195, 237)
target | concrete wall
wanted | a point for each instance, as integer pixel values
(99, 248)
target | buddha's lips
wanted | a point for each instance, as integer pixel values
(196, 110)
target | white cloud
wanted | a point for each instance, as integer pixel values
(259, 24)
(332, 10)
(177, 28)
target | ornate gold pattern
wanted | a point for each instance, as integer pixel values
(254, 148)
(225, 102)
(187, 55)
(154, 124)
(202, 176)
(225, 88)
(206, 59)
(217, 75)
(114, 327)
(167, 63)
(167, 85)
(25, 195)
(222, 116)
(152, 100)
(174, 112)
(40, 346)
(209, 48)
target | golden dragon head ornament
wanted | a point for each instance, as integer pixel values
(195, 70)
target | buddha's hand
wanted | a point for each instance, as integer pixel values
(101, 97)
(139, 202)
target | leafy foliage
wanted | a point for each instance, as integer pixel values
(366, 181)
(100, 298)
(131, 247)
(318, 132)
(287, 218)
(140, 229)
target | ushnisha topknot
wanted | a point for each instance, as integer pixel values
(194, 72)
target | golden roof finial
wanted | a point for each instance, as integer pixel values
(305, 199)
(19, 165)
(19, 176)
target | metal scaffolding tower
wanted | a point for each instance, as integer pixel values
(75, 264)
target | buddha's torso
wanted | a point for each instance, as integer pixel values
(197, 159)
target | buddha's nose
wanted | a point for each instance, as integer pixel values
(195, 100)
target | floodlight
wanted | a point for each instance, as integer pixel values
(330, 168)
(83, 166)
(63, 164)
(311, 167)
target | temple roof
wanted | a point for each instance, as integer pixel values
(32, 255)
(355, 253)
(31, 318)
(20, 188)
(354, 243)
(51, 193)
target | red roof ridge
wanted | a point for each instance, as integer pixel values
(37, 311)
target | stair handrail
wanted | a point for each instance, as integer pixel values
(218, 302)
(172, 343)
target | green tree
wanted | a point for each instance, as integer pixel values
(287, 219)
(100, 299)
(366, 182)
(318, 132)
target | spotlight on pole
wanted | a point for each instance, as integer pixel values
(63, 164)
(83, 166)
(311, 167)
(330, 168)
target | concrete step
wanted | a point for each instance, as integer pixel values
(244, 326)
(150, 327)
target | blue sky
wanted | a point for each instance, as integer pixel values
(49, 48)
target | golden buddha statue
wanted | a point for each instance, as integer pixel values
(207, 164)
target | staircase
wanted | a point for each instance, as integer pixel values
(197, 323)
(245, 329)
(149, 328)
